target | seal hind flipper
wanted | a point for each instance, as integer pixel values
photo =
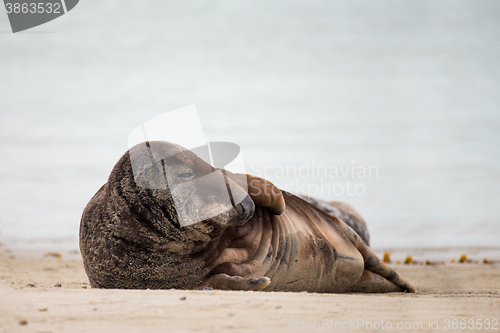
(225, 282)
(372, 262)
(370, 282)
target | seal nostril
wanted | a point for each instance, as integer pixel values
(240, 210)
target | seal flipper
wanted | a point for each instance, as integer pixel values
(225, 282)
(370, 282)
(263, 192)
(373, 263)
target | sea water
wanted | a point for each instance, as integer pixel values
(313, 93)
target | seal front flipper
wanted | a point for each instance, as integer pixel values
(225, 282)
(263, 192)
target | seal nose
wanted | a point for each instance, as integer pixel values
(240, 210)
(245, 208)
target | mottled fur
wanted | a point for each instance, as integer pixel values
(130, 236)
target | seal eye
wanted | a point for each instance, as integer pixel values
(186, 175)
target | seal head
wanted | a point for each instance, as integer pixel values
(159, 206)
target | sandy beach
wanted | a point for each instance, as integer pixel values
(51, 294)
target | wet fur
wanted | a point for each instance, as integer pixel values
(129, 238)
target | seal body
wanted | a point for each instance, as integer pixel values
(130, 237)
(344, 212)
(300, 250)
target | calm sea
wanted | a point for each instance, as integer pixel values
(397, 102)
